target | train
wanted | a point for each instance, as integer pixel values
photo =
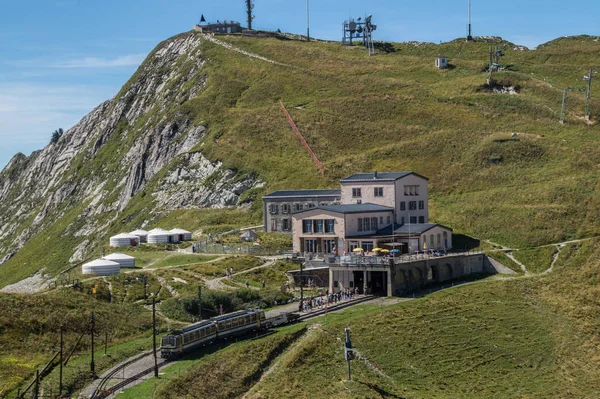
(208, 331)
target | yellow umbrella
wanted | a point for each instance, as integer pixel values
(357, 250)
(377, 249)
(385, 251)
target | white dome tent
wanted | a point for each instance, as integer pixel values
(143, 234)
(182, 235)
(124, 261)
(101, 267)
(124, 240)
(158, 236)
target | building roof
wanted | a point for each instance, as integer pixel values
(350, 208)
(379, 176)
(402, 230)
(304, 193)
(407, 229)
(117, 256)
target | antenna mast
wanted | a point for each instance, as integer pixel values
(469, 37)
(307, 23)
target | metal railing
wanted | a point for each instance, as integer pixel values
(353, 260)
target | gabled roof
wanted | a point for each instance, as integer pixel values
(350, 208)
(407, 229)
(304, 193)
(378, 176)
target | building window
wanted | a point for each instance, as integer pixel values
(421, 204)
(378, 191)
(367, 246)
(273, 209)
(439, 240)
(403, 206)
(299, 207)
(273, 224)
(318, 226)
(285, 224)
(310, 246)
(307, 226)
(411, 190)
(413, 220)
(421, 219)
(353, 245)
(367, 224)
(285, 208)
(330, 226)
(445, 240)
(311, 205)
(356, 192)
(381, 220)
(360, 224)
(431, 241)
(412, 205)
(374, 224)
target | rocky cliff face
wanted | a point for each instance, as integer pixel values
(134, 143)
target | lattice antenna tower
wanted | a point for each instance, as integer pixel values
(249, 8)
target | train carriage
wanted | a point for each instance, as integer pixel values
(239, 323)
(188, 338)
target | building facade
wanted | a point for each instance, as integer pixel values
(377, 210)
(279, 206)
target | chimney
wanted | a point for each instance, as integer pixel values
(375, 175)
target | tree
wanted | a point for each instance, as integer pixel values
(56, 135)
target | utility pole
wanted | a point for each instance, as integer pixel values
(92, 364)
(200, 302)
(301, 288)
(60, 369)
(307, 23)
(154, 334)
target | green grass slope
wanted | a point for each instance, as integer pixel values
(517, 338)
(394, 111)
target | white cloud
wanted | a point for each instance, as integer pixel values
(96, 62)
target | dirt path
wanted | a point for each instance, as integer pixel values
(217, 283)
(522, 266)
(247, 53)
(554, 259)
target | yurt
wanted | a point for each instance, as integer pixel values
(249, 236)
(101, 267)
(158, 236)
(124, 261)
(124, 240)
(143, 234)
(182, 235)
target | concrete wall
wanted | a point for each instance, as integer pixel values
(416, 275)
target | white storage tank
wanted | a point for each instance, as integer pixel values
(101, 267)
(182, 235)
(124, 261)
(124, 240)
(158, 236)
(143, 234)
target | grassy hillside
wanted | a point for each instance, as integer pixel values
(394, 111)
(521, 338)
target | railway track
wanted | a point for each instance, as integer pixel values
(103, 390)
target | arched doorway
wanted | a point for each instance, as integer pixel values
(447, 272)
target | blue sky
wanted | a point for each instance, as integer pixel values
(61, 58)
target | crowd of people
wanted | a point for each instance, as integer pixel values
(324, 301)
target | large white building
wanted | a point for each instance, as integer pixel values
(376, 210)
